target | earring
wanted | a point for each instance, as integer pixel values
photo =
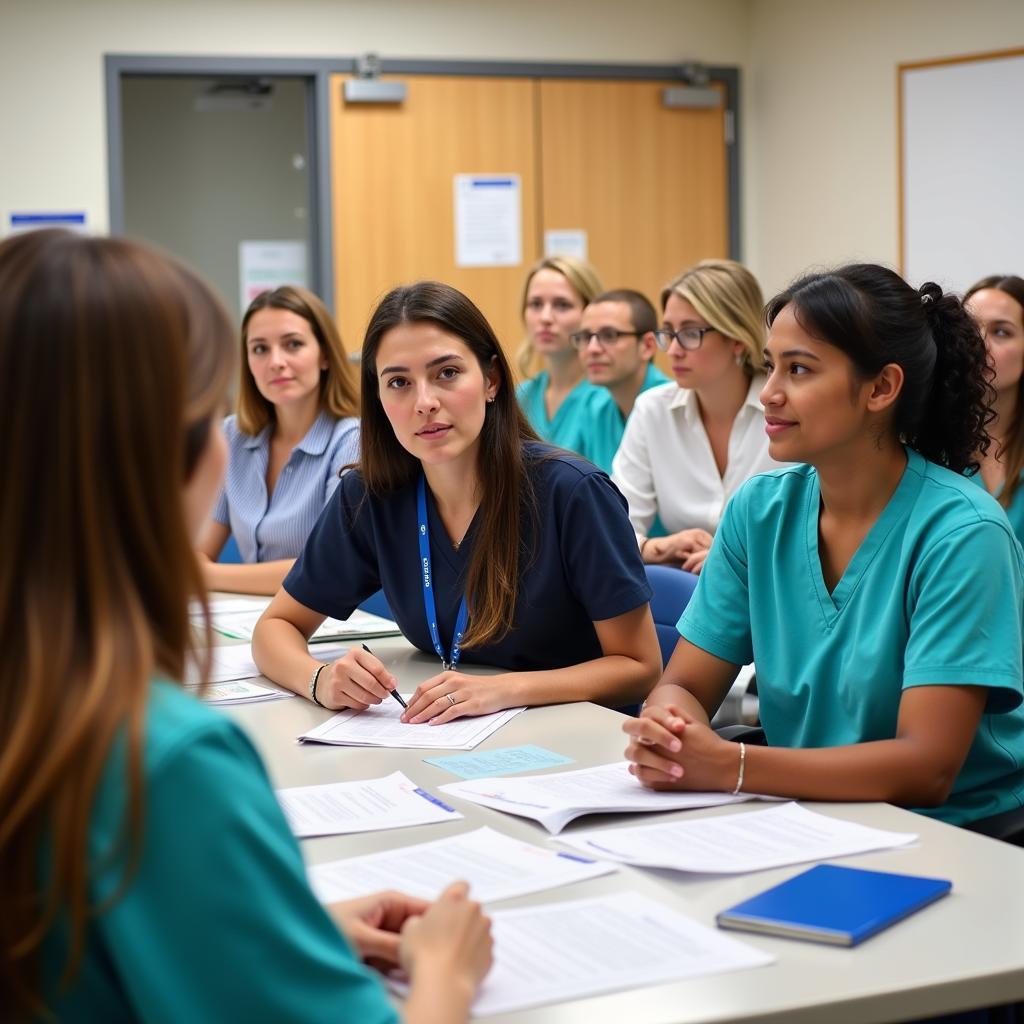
(490, 400)
(739, 359)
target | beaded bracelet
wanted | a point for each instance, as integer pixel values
(312, 685)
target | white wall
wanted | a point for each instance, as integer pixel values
(819, 95)
(821, 178)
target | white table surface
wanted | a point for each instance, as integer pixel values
(966, 950)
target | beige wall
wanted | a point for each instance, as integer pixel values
(819, 174)
(52, 122)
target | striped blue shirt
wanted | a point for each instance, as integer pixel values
(269, 528)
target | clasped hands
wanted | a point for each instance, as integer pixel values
(670, 749)
(359, 679)
(391, 929)
(688, 549)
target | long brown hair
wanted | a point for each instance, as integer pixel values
(1012, 451)
(492, 579)
(113, 362)
(338, 393)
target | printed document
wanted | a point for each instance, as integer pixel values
(367, 805)
(381, 726)
(496, 866)
(560, 951)
(734, 843)
(554, 800)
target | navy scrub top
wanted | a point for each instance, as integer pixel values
(581, 564)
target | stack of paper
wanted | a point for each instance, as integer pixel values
(239, 691)
(229, 605)
(227, 664)
(561, 951)
(360, 625)
(496, 867)
(730, 844)
(380, 726)
(366, 805)
(554, 800)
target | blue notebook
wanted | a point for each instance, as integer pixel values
(828, 903)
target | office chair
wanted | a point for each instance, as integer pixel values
(230, 552)
(673, 589)
(377, 604)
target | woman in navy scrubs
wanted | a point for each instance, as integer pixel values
(490, 546)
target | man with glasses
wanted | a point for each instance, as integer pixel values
(616, 343)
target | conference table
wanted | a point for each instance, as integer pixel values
(965, 951)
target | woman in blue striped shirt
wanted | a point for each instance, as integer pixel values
(297, 425)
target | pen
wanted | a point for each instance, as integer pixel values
(394, 693)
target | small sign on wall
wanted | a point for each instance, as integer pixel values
(488, 220)
(264, 265)
(20, 222)
(566, 242)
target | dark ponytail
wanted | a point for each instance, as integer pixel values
(876, 318)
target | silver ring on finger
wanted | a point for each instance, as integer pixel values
(451, 699)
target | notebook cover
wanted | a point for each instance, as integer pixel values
(834, 904)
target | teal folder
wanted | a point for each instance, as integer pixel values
(838, 905)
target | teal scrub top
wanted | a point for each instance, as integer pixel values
(1015, 513)
(932, 596)
(652, 378)
(218, 921)
(587, 422)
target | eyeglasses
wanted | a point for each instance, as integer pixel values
(605, 336)
(689, 337)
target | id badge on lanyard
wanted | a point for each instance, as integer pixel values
(448, 662)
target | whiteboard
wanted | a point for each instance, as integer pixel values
(962, 188)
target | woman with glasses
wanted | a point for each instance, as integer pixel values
(563, 407)
(689, 445)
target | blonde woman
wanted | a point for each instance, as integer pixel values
(689, 444)
(297, 425)
(563, 407)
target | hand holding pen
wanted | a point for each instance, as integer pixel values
(394, 693)
(356, 680)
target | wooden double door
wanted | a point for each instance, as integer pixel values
(647, 184)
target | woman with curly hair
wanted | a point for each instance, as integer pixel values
(877, 588)
(997, 305)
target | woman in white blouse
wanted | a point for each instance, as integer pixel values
(689, 445)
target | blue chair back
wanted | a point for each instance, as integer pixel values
(672, 591)
(230, 552)
(377, 604)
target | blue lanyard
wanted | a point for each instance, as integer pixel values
(428, 589)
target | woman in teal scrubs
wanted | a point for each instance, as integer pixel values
(560, 403)
(877, 589)
(997, 304)
(146, 870)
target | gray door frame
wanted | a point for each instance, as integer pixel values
(317, 72)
